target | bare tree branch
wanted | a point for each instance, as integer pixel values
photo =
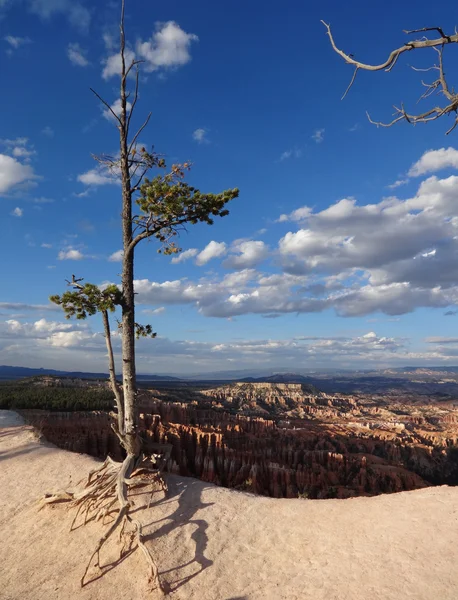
(450, 39)
(107, 105)
(439, 85)
(135, 138)
(134, 102)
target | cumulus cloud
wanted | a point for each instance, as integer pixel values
(211, 250)
(98, 176)
(183, 256)
(435, 160)
(14, 173)
(250, 292)
(392, 257)
(116, 108)
(116, 256)
(17, 212)
(243, 292)
(112, 64)
(76, 55)
(70, 254)
(347, 235)
(249, 254)
(18, 148)
(22, 152)
(300, 214)
(168, 48)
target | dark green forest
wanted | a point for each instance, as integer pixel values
(14, 395)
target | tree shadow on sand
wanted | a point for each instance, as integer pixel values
(16, 452)
(188, 495)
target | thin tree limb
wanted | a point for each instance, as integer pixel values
(106, 104)
(134, 139)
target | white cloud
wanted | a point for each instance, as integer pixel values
(248, 292)
(70, 254)
(74, 346)
(392, 256)
(154, 311)
(435, 160)
(77, 55)
(18, 148)
(75, 12)
(318, 136)
(200, 136)
(10, 143)
(116, 108)
(295, 153)
(398, 183)
(44, 326)
(112, 65)
(16, 42)
(98, 176)
(21, 152)
(211, 250)
(116, 256)
(300, 214)
(168, 47)
(45, 245)
(17, 212)
(346, 235)
(251, 253)
(13, 173)
(47, 131)
(186, 255)
(391, 299)
(109, 41)
(285, 155)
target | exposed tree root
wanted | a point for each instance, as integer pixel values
(104, 497)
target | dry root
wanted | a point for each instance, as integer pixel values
(104, 497)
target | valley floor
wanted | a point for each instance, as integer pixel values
(215, 544)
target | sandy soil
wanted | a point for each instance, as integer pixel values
(215, 544)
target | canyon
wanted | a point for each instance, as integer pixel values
(281, 440)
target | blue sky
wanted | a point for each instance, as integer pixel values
(322, 262)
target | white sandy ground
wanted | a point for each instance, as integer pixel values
(216, 544)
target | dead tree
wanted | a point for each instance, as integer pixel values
(165, 204)
(440, 84)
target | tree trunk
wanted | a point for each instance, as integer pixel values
(111, 367)
(132, 441)
(132, 445)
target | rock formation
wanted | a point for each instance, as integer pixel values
(314, 445)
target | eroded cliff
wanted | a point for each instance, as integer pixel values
(323, 446)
